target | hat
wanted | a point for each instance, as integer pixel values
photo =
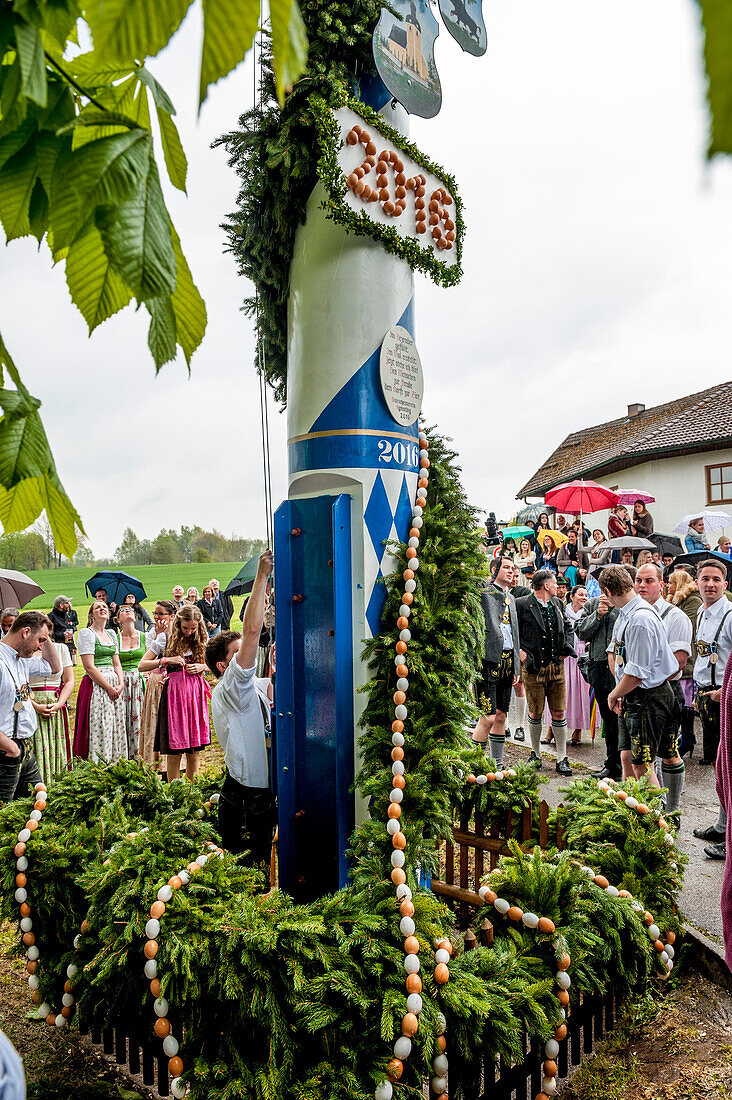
(561, 579)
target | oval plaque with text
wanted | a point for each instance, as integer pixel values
(402, 381)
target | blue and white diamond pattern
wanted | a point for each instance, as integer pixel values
(386, 516)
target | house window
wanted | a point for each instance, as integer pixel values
(719, 483)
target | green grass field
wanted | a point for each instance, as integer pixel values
(158, 581)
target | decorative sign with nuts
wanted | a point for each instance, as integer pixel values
(380, 185)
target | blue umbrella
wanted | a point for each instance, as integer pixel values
(116, 584)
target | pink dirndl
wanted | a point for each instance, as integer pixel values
(182, 722)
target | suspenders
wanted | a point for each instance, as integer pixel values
(709, 649)
(619, 645)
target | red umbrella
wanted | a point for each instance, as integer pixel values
(581, 496)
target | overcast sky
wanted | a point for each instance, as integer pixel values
(596, 274)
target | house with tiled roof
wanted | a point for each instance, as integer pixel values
(680, 452)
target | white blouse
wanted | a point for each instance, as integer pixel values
(87, 638)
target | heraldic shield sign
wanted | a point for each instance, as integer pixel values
(404, 53)
(464, 21)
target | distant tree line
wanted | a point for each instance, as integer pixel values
(35, 548)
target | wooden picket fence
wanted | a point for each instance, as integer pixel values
(474, 851)
(140, 1058)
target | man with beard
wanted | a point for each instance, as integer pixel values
(26, 650)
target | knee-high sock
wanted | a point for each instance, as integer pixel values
(721, 823)
(521, 711)
(673, 776)
(535, 734)
(497, 742)
(559, 730)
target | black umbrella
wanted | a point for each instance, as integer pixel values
(697, 556)
(667, 544)
(531, 513)
(116, 583)
(243, 582)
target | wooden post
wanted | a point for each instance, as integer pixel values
(486, 933)
(471, 940)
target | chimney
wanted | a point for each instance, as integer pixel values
(635, 410)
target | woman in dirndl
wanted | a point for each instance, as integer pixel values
(51, 741)
(151, 665)
(131, 642)
(99, 730)
(183, 727)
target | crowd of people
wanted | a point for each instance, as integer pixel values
(643, 636)
(144, 694)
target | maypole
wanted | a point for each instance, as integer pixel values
(379, 210)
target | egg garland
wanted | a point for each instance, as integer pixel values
(502, 906)
(152, 931)
(490, 777)
(608, 786)
(52, 1018)
(412, 964)
(429, 213)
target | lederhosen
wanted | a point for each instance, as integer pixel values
(646, 725)
(708, 709)
(496, 682)
(675, 684)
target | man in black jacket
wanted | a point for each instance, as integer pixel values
(595, 627)
(546, 639)
(225, 602)
(500, 659)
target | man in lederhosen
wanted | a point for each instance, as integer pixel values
(641, 662)
(500, 659)
(713, 647)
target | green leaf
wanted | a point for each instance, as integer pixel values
(38, 211)
(229, 27)
(15, 140)
(104, 172)
(136, 233)
(717, 20)
(132, 29)
(29, 482)
(13, 105)
(289, 44)
(32, 62)
(17, 179)
(188, 305)
(93, 70)
(95, 288)
(161, 337)
(175, 158)
(159, 94)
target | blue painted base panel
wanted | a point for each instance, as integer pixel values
(314, 734)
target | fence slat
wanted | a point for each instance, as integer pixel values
(133, 1057)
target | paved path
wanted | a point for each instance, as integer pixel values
(702, 884)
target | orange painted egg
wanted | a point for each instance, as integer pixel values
(32, 825)
(423, 483)
(561, 1033)
(515, 913)
(25, 909)
(445, 945)
(408, 597)
(28, 939)
(550, 1069)
(397, 876)
(371, 149)
(624, 894)
(397, 725)
(406, 909)
(19, 849)
(622, 795)
(51, 1019)
(401, 647)
(563, 962)
(399, 841)
(442, 974)
(383, 193)
(546, 925)
(563, 997)
(411, 553)
(441, 1042)
(399, 782)
(424, 463)
(397, 753)
(352, 180)
(150, 949)
(155, 987)
(360, 187)
(162, 1027)
(411, 945)
(395, 811)
(490, 776)
(401, 192)
(157, 909)
(408, 575)
(658, 944)
(402, 670)
(399, 697)
(414, 983)
(471, 778)
(647, 918)
(395, 1069)
(39, 806)
(352, 137)
(671, 937)
(601, 881)
(176, 882)
(68, 986)
(31, 966)
(67, 1012)
(175, 1066)
(20, 879)
(410, 1023)
(414, 532)
(641, 808)
(388, 207)
(36, 997)
(192, 868)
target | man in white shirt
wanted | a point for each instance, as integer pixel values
(713, 646)
(26, 650)
(500, 665)
(246, 803)
(642, 662)
(649, 585)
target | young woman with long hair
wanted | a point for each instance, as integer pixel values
(525, 560)
(143, 621)
(183, 725)
(49, 694)
(131, 643)
(641, 522)
(99, 732)
(151, 665)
